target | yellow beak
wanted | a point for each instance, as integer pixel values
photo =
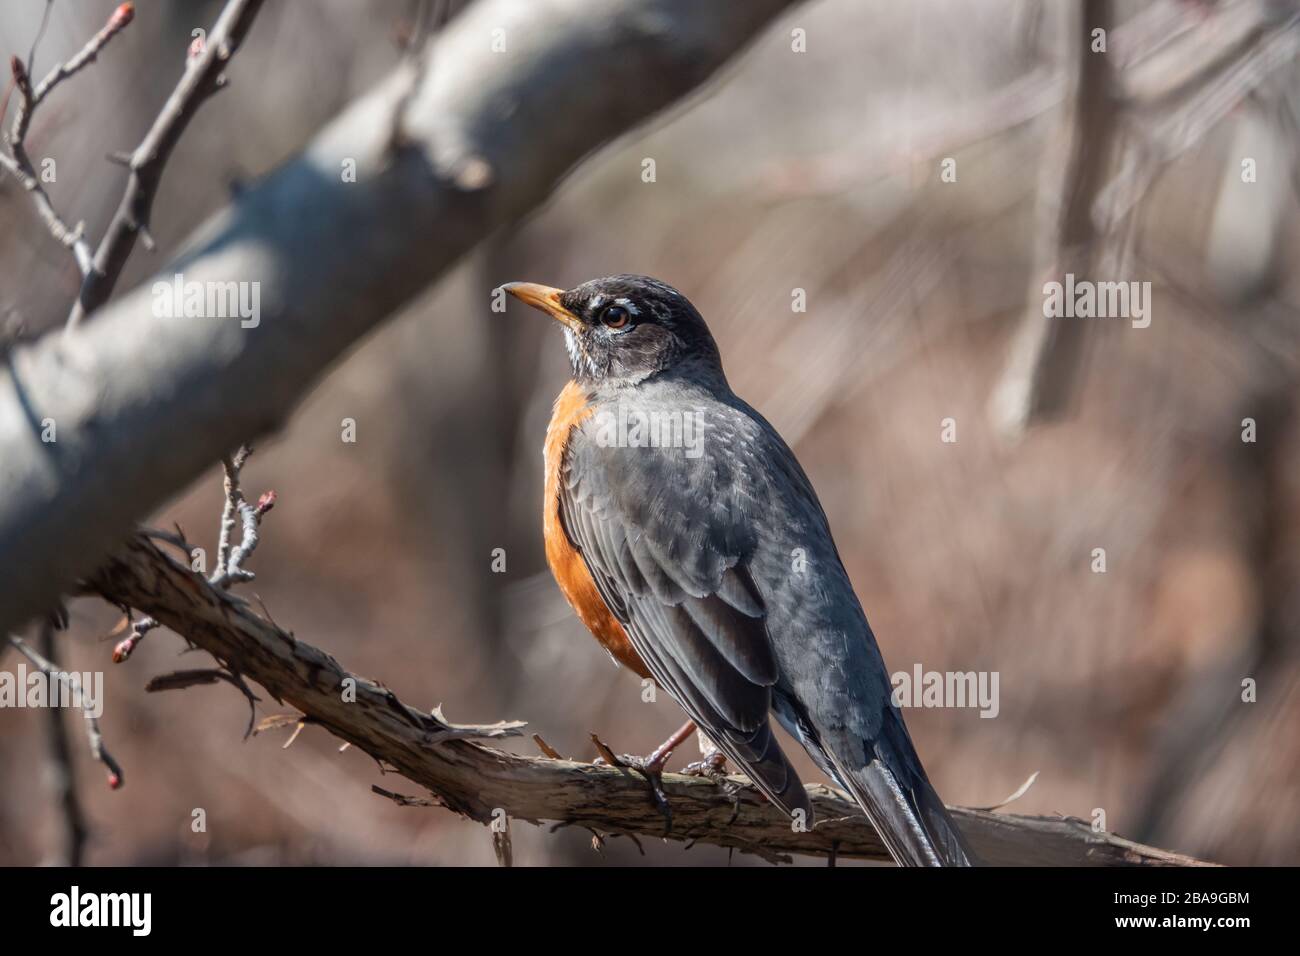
(545, 298)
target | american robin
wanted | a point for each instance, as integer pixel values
(684, 533)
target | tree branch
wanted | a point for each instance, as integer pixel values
(204, 75)
(62, 773)
(476, 780)
(1045, 356)
(18, 162)
(490, 135)
(1191, 66)
(118, 21)
(69, 679)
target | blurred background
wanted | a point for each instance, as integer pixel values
(819, 171)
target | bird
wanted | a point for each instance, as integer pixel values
(686, 536)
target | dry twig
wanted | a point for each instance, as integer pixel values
(204, 75)
(63, 772)
(230, 558)
(93, 735)
(18, 162)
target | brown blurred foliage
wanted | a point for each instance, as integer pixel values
(818, 172)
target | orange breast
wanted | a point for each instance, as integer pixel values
(565, 561)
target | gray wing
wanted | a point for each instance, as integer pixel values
(691, 555)
(666, 540)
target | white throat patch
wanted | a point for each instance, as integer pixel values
(577, 356)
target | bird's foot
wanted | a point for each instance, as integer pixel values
(713, 766)
(651, 767)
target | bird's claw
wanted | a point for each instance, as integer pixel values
(653, 771)
(652, 768)
(713, 766)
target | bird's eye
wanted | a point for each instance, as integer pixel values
(615, 317)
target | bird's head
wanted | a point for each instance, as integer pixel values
(620, 330)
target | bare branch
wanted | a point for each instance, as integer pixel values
(64, 777)
(476, 780)
(117, 22)
(1184, 70)
(36, 41)
(1046, 352)
(138, 629)
(204, 75)
(230, 559)
(402, 800)
(180, 680)
(1186, 124)
(20, 166)
(18, 162)
(93, 735)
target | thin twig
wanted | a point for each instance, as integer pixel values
(204, 75)
(20, 166)
(546, 748)
(180, 680)
(93, 735)
(401, 799)
(230, 559)
(117, 22)
(231, 466)
(124, 648)
(36, 41)
(18, 162)
(64, 774)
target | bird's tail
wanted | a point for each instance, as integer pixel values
(765, 763)
(896, 796)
